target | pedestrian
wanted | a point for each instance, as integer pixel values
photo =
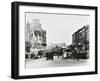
(47, 55)
(52, 55)
(65, 54)
(74, 52)
(77, 55)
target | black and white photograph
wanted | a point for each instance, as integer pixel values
(56, 40)
(51, 40)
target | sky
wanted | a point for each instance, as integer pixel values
(59, 27)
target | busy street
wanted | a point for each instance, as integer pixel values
(45, 50)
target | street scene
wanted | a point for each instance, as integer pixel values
(44, 49)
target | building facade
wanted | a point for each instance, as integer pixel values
(35, 35)
(80, 39)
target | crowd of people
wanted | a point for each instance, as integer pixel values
(49, 54)
(66, 53)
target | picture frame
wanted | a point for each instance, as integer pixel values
(23, 11)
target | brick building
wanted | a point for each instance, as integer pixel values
(80, 39)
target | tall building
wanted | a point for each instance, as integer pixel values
(80, 39)
(35, 34)
(27, 31)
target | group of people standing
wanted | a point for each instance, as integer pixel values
(49, 56)
(64, 54)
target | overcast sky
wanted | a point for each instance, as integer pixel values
(59, 27)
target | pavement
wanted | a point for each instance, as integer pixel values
(57, 62)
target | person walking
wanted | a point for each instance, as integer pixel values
(77, 55)
(64, 54)
(52, 55)
(47, 55)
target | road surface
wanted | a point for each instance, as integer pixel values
(57, 62)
